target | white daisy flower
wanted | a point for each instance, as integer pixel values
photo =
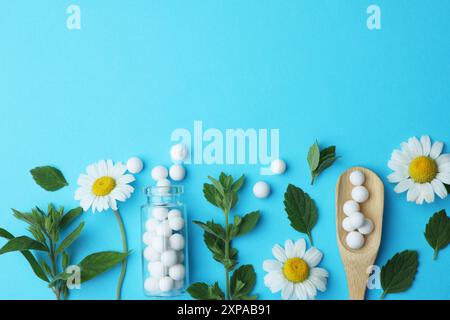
(295, 272)
(421, 169)
(104, 184)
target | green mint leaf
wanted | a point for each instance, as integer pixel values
(26, 217)
(98, 263)
(247, 223)
(398, 274)
(238, 184)
(313, 156)
(327, 152)
(29, 256)
(301, 210)
(70, 217)
(212, 195)
(226, 181)
(213, 228)
(243, 281)
(202, 291)
(325, 164)
(22, 243)
(49, 178)
(217, 185)
(437, 231)
(65, 261)
(70, 239)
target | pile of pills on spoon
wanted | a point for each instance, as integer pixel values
(164, 250)
(355, 223)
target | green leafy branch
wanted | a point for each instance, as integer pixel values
(320, 160)
(223, 194)
(437, 232)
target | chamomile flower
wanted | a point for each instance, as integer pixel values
(295, 272)
(421, 169)
(104, 184)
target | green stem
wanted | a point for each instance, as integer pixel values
(435, 254)
(125, 250)
(227, 254)
(56, 289)
(310, 239)
(383, 295)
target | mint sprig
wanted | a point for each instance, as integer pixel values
(320, 160)
(437, 232)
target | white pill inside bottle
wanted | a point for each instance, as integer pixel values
(166, 284)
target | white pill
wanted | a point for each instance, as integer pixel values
(346, 225)
(350, 206)
(261, 189)
(180, 256)
(157, 269)
(166, 284)
(177, 272)
(356, 220)
(134, 165)
(160, 244)
(151, 285)
(178, 152)
(163, 229)
(179, 284)
(360, 194)
(151, 224)
(367, 227)
(177, 172)
(151, 255)
(357, 178)
(177, 242)
(160, 213)
(355, 240)
(176, 223)
(169, 258)
(163, 186)
(278, 166)
(159, 173)
(174, 213)
(147, 238)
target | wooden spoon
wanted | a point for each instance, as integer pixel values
(357, 262)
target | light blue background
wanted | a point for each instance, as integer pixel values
(140, 69)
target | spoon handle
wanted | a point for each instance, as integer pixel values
(357, 279)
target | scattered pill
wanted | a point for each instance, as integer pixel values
(177, 172)
(174, 213)
(157, 269)
(357, 178)
(151, 285)
(355, 240)
(169, 258)
(367, 227)
(160, 213)
(350, 206)
(360, 194)
(178, 152)
(177, 272)
(151, 255)
(177, 241)
(261, 189)
(166, 284)
(278, 166)
(356, 220)
(159, 173)
(346, 225)
(176, 223)
(134, 165)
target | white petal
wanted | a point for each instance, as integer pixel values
(428, 192)
(102, 169)
(319, 272)
(406, 151)
(397, 176)
(436, 149)
(86, 202)
(443, 158)
(289, 249)
(93, 171)
(420, 199)
(397, 166)
(444, 168)
(118, 195)
(112, 203)
(278, 252)
(128, 178)
(272, 265)
(415, 147)
(313, 257)
(439, 188)
(413, 193)
(275, 281)
(82, 192)
(444, 177)
(400, 157)
(287, 291)
(426, 145)
(404, 185)
(319, 283)
(119, 169)
(300, 248)
(110, 168)
(310, 289)
(85, 181)
(300, 291)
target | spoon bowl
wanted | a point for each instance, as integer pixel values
(358, 263)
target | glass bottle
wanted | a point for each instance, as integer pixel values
(164, 242)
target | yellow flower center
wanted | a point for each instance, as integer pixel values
(423, 169)
(103, 186)
(296, 270)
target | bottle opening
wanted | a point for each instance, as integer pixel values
(173, 190)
